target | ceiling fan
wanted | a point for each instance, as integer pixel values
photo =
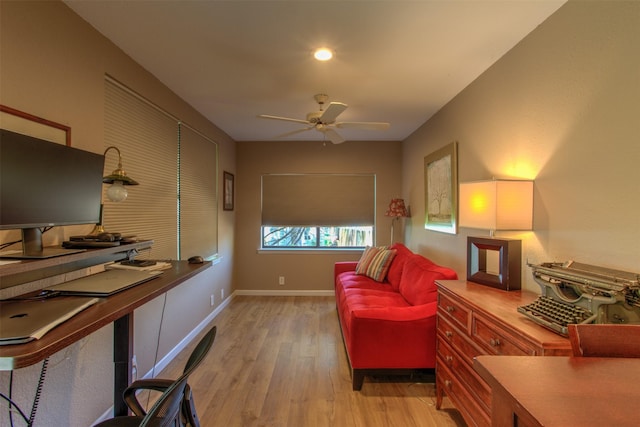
(325, 120)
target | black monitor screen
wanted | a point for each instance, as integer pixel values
(47, 184)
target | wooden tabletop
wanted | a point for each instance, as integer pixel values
(567, 391)
(95, 317)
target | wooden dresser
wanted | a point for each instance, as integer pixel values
(474, 320)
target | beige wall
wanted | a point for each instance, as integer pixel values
(259, 271)
(562, 108)
(53, 65)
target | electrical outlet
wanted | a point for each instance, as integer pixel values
(213, 300)
(281, 280)
(221, 294)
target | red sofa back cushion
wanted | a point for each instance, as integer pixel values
(395, 269)
(417, 284)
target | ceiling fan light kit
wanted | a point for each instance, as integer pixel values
(323, 54)
(325, 120)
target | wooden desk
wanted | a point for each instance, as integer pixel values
(117, 309)
(561, 391)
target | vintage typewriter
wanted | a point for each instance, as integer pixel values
(582, 293)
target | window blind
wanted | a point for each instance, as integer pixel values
(318, 200)
(198, 194)
(148, 142)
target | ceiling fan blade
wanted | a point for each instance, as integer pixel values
(333, 136)
(286, 119)
(332, 112)
(363, 125)
(293, 132)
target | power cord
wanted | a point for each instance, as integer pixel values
(155, 359)
(36, 399)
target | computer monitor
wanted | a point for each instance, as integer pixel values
(45, 184)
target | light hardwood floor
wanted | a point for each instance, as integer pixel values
(280, 361)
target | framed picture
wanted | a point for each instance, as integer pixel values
(441, 189)
(37, 127)
(227, 191)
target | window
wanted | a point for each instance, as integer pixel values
(294, 204)
(175, 204)
(316, 237)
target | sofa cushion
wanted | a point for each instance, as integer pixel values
(395, 269)
(417, 284)
(375, 262)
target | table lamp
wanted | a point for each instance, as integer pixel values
(496, 205)
(396, 210)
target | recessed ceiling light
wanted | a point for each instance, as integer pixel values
(323, 54)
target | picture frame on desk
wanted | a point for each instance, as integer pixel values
(495, 262)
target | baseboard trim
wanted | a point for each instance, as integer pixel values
(287, 293)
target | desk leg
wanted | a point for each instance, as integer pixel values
(122, 355)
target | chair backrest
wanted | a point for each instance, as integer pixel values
(198, 354)
(166, 410)
(604, 340)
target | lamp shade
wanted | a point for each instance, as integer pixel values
(397, 208)
(497, 205)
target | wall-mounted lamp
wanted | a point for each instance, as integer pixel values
(118, 179)
(496, 205)
(117, 191)
(396, 210)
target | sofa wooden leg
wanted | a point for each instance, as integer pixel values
(357, 377)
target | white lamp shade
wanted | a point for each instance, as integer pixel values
(497, 205)
(117, 192)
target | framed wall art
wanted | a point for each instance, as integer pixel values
(227, 191)
(441, 189)
(27, 124)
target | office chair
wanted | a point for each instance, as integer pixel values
(175, 407)
(604, 340)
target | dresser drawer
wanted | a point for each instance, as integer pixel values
(457, 392)
(497, 341)
(458, 313)
(447, 357)
(458, 340)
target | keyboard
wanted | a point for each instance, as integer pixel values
(555, 315)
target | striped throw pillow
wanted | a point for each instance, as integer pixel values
(375, 262)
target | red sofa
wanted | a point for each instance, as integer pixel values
(389, 326)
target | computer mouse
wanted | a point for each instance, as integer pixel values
(196, 259)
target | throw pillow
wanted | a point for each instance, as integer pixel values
(375, 262)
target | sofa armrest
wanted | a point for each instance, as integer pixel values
(344, 266)
(400, 337)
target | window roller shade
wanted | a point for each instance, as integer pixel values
(318, 200)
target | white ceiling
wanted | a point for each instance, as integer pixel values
(395, 61)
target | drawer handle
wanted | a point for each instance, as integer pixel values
(447, 383)
(450, 309)
(449, 359)
(495, 342)
(449, 334)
